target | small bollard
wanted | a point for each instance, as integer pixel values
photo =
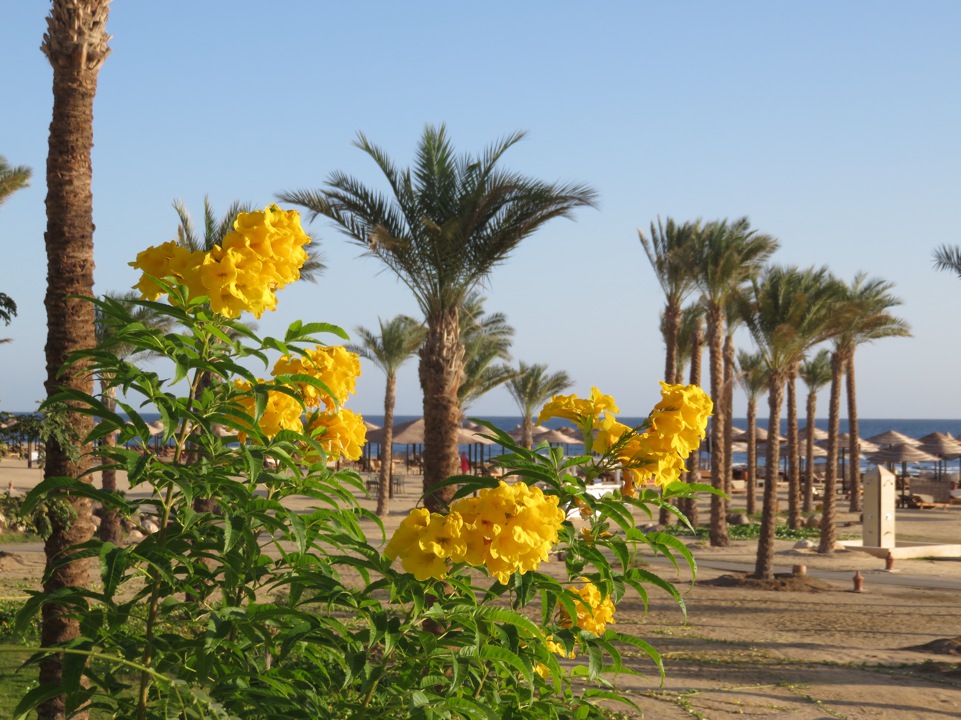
(10, 488)
(799, 570)
(889, 562)
(858, 581)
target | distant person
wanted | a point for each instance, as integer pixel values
(464, 463)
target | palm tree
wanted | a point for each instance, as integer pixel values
(669, 251)
(110, 529)
(487, 341)
(727, 254)
(76, 46)
(753, 382)
(531, 387)
(12, 179)
(869, 320)
(816, 373)
(791, 310)
(399, 339)
(446, 224)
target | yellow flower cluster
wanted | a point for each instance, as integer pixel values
(676, 427)
(340, 434)
(281, 413)
(339, 431)
(508, 529)
(582, 412)
(594, 612)
(263, 253)
(336, 367)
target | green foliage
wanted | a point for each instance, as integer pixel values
(750, 531)
(33, 519)
(258, 611)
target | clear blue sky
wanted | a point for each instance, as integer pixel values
(834, 126)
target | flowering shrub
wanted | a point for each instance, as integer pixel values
(278, 603)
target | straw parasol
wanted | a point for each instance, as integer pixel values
(819, 434)
(892, 437)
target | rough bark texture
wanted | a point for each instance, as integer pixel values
(76, 46)
(386, 453)
(793, 455)
(854, 442)
(672, 319)
(728, 413)
(751, 457)
(689, 505)
(527, 432)
(110, 529)
(441, 374)
(812, 405)
(828, 513)
(715, 336)
(764, 568)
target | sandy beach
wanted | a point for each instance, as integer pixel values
(820, 652)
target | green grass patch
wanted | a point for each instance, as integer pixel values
(751, 531)
(14, 684)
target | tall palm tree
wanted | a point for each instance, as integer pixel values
(869, 301)
(669, 251)
(753, 382)
(816, 374)
(487, 341)
(76, 46)
(12, 179)
(110, 529)
(790, 309)
(727, 255)
(445, 225)
(399, 339)
(531, 387)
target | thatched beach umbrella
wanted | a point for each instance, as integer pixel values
(904, 453)
(942, 445)
(892, 437)
(819, 434)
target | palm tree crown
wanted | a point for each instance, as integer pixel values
(450, 219)
(398, 341)
(531, 388)
(670, 251)
(12, 178)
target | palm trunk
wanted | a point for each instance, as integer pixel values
(76, 46)
(689, 505)
(110, 529)
(672, 320)
(809, 453)
(828, 518)
(728, 412)
(793, 454)
(764, 568)
(441, 374)
(751, 457)
(854, 442)
(527, 431)
(386, 454)
(715, 333)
